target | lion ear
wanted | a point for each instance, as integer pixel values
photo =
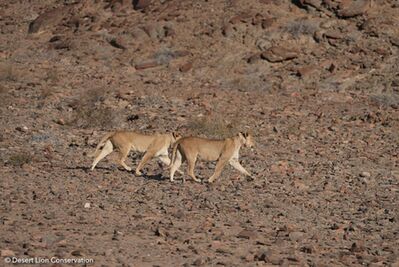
(175, 135)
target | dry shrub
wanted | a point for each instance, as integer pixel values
(52, 76)
(300, 27)
(46, 91)
(385, 99)
(8, 72)
(20, 158)
(214, 127)
(5, 96)
(3, 90)
(89, 111)
(103, 117)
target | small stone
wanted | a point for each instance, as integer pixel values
(350, 9)
(7, 253)
(250, 257)
(318, 36)
(261, 256)
(141, 4)
(257, 19)
(247, 234)
(117, 43)
(132, 117)
(77, 253)
(333, 34)
(308, 71)
(108, 253)
(199, 262)
(275, 259)
(22, 129)
(140, 35)
(266, 23)
(87, 205)
(227, 30)
(60, 121)
(152, 31)
(296, 236)
(243, 17)
(186, 67)
(269, 256)
(278, 54)
(147, 65)
(253, 58)
(365, 174)
(309, 249)
(379, 264)
(357, 247)
(160, 232)
(394, 41)
(266, 2)
(314, 3)
(51, 239)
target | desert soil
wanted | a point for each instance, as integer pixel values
(316, 81)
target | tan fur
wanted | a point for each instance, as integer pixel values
(153, 145)
(224, 151)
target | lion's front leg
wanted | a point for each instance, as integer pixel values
(236, 165)
(218, 170)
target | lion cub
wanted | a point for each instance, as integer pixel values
(224, 151)
(154, 145)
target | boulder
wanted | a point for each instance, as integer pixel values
(348, 9)
(48, 19)
(279, 54)
(141, 4)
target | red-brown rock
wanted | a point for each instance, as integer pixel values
(353, 8)
(147, 65)
(186, 67)
(141, 4)
(279, 54)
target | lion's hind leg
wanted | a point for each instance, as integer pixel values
(147, 156)
(191, 165)
(165, 159)
(176, 165)
(123, 153)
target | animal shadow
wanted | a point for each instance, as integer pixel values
(156, 177)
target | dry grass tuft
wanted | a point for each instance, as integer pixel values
(90, 112)
(20, 158)
(8, 73)
(300, 27)
(213, 127)
(385, 100)
(5, 96)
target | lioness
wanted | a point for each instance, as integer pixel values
(154, 145)
(224, 151)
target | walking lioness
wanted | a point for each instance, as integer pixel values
(154, 145)
(224, 151)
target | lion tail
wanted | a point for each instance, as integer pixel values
(101, 144)
(174, 151)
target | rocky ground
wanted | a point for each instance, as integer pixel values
(316, 80)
